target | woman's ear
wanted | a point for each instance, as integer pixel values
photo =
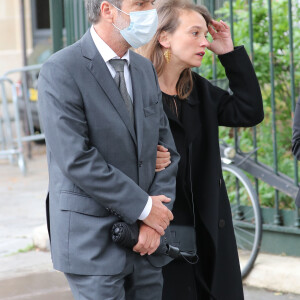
(164, 39)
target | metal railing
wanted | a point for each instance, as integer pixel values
(20, 122)
(33, 130)
(287, 185)
(76, 23)
(10, 127)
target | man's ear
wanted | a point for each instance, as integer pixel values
(106, 11)
(163, 39)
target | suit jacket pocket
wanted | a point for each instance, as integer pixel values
(150, 110)
(71, 201)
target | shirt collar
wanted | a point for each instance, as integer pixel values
(106, 52)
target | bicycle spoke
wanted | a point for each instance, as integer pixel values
(249, 211)
(236, 210)
(240, 245)
(246, 218)
(245, 231)
(246, 241)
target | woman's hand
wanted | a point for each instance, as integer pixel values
(163, 158)
(222, 42)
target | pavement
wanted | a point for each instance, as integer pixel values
(26, 272)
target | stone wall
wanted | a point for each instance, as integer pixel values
(11, 34)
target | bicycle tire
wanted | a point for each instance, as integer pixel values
(252, 222)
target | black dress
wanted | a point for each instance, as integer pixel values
(183, 280)
(194, 125)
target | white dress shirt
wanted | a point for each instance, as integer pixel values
(107, 54)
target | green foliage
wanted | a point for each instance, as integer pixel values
(26, 249)
(282, 81)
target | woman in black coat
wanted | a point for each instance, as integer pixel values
(195, 108)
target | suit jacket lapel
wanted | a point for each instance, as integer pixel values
(99, 70)
(138, 103)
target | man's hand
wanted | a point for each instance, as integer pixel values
(149, 240)
(163, 158)
(160, 216)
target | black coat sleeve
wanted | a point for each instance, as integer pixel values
(243, 108)
(296, 132)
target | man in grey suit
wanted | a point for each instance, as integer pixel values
(103, 118)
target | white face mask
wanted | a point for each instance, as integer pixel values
(142, 27)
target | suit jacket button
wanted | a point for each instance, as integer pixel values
(220, 182)
(222, 223)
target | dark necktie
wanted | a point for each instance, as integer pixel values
(118, 65)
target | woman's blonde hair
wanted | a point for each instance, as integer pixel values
(168, 15)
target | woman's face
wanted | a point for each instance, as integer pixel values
(188, 43)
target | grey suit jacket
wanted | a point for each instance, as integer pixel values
(101, 168)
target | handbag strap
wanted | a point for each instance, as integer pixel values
(191, 184)
(190, 258)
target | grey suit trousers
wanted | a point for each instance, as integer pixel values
(138, 281)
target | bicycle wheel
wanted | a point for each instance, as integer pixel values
(246, 216)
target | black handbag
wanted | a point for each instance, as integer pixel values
(183, 237)
(179, 241)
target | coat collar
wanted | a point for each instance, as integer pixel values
(99, 70)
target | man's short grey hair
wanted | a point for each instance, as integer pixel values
(93, 8)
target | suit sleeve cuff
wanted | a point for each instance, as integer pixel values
(145, 213)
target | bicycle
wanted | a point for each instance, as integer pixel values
(246, 214)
